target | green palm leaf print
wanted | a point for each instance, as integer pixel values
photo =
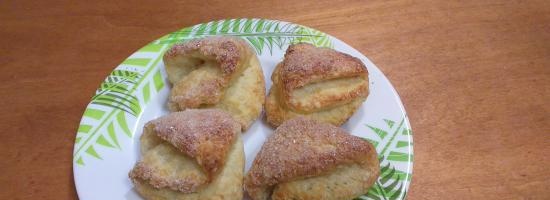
(391, 144)
(260, 33)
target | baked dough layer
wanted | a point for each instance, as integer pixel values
(304, 156)
(319, 83)
(276, 113)
(245, 98)
(227, 185)
(344, 183)
(194, 154)
(216, 72)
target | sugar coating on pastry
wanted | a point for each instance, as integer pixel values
(185, 152)
(304, 156)
(216, 72)
(344, 183)
(227, 185)
(228, 54)
(164, 166)
(311, 78)
(245, 98)
(319, 83)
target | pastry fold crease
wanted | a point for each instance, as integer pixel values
(188, 152)
(216, 72)
(319, 83)
(304, 157)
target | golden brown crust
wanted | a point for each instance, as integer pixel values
(302, 148)
(344, 183)
(143, 172)
(244, 99)
(227, 51)
(306, 64)
(226, 185)
(276, 113)
(318, 83)
(229, 55)
(204, 135)
(201, 91)
(216, 72)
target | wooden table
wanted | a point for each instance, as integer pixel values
(474, 77)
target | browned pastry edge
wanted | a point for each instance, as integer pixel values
(302, 148)
(205, 92)
(231, 53)
(306, 64)
(205, 135)
(277, 113)
(227, 51)
(147, 174)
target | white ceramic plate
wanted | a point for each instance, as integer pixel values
(107, 142)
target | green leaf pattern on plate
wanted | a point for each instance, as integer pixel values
(260, 33)
(392, 145)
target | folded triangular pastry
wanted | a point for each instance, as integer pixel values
(319, 83)
(216, 72)
(194, 154)
(307, 159)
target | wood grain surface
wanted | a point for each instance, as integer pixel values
(474, 77)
